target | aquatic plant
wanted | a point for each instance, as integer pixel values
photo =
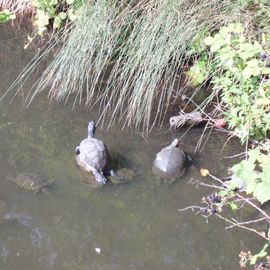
(126, 55)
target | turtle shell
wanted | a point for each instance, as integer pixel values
(170, 162)
(93, 153)
(30, 181)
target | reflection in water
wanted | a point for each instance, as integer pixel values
(136, 225)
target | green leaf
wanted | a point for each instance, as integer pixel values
(71, 14)
(265, 70)
(219, 39)
(262, 192)
(260, 255)
(57, 22)
(229, 63)
(70, 2)
(247, 47)
(209, 41)
(233, 206)
(12, 16)
(253, 155)
(247, 72)
(251, 185)
(224, 31)
(6, 16)
(62, 15)
(256, 71)
(253, 63)
(215, 47)
(236, 28)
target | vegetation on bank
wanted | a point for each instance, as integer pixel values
(129, 57)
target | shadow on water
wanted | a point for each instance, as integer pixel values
(131, 226)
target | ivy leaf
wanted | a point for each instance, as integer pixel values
(262, 192)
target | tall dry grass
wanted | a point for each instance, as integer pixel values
(137, 48)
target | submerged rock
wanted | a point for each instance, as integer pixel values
(37, 232)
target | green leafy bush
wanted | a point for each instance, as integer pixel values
(257, 181)
(238, 68)
(55, 10)
(127, 56)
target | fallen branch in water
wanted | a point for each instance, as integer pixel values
(192, 118)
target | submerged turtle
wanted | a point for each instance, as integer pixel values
(122, 175)
(93, 156)
(170, 161)
(30, 181)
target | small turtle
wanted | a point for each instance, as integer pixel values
(30, 181)
(93, 156)
(170, 161)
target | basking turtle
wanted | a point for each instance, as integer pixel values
(30, 181)
(93, 156)
(170, 161)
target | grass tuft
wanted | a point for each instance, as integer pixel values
(126, 56)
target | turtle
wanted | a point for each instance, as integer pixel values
(170, 162)
(30, 181)
(92, 155)
(123, 174)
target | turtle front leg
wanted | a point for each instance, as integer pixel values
(116, 175)
(100, 178)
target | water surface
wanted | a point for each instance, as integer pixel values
(134, 225)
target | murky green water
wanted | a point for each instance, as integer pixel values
(135, 225)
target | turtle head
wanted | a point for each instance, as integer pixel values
(174, 143)
(91, 129)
